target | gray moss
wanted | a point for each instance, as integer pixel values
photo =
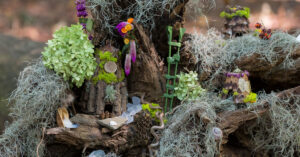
(186, 134)
(109, 12)
(279, 130)
(33, 106)
(216, 56)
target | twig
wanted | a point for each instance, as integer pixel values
(152, 146)
(38, 146)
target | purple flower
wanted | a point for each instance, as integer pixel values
(133, 50)
(127, 64)
(82, 13)
(90, 37)
(120, 26)
(80, 7)
(83, 25)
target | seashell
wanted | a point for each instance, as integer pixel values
(62, 118)
(217, 132)
(110, 67)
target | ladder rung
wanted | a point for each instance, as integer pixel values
(169, 77)
(170, 86)
(169, 96)
(174, 44)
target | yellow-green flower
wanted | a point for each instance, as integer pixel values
(126, 41)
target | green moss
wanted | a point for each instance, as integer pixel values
(235, 93)
(108, 78)
(241, 13)
(225, 91)
(251, 98)
(146, 107)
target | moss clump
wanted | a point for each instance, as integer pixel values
(108, 78)
(146, 107)
(252, 97)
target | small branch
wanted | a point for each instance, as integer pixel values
(38, 146)
(151, 147)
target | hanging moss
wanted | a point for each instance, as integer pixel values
(108, 78)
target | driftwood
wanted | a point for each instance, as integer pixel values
(90, 134)
(231, 121)
(274, 74)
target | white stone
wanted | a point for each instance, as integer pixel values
(113, 123)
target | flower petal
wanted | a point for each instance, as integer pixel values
(127, 64)
(133, 50)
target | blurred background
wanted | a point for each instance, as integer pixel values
(25, 26)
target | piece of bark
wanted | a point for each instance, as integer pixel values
(273, 74)
(84, 119)
(146, 76)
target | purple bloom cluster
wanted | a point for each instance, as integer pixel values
(81, 10)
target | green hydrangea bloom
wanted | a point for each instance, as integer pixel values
(188, 86)
(70, 54)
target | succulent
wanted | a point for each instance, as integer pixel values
(188, 86)
(110, 93)
(70, 54)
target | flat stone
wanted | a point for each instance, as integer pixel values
(117, 121)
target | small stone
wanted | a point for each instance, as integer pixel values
(110, 67)
(113, 123)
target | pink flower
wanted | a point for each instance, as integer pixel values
(133, 50)
(127, 64)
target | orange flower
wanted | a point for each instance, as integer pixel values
(128, 27)
(130, 20)
(126, 41)
(124, 30)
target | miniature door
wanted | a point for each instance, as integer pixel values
(105, 95)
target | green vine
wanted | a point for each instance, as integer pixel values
(108, 78)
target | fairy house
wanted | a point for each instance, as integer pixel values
(238, 84)
(236, 21)
(106, 93)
